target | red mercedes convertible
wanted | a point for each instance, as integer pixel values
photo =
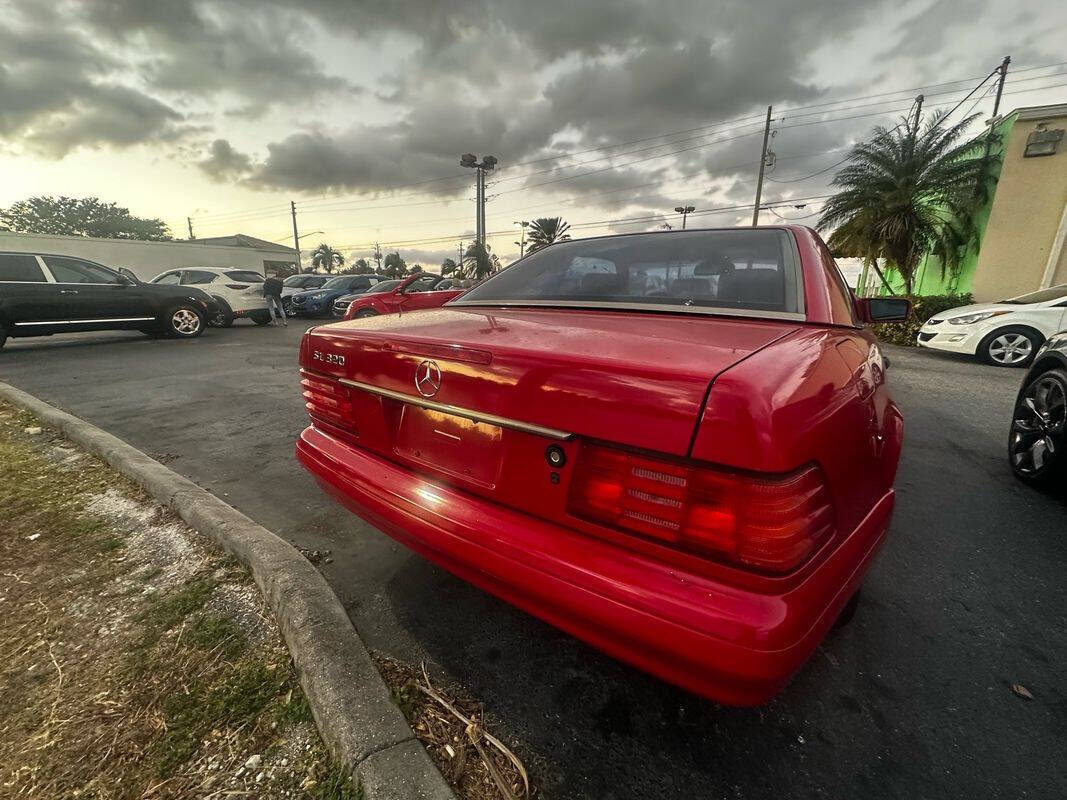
(677, 446)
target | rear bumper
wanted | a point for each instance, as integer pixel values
(734, 645)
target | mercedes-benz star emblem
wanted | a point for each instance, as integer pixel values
(428, 378)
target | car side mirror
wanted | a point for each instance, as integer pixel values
(129, 276)
(883, 309)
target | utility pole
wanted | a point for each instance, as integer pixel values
(378, 256)
(190, 221)
(918, 114)
(1003, 70)
(685, 211)
(296, 237)
(762, 164)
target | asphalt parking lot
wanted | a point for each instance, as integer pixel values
(912, 700)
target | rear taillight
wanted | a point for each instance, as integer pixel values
(327, 400)
(236, 285)
(772, 524)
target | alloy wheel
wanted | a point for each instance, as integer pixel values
(185, 322)
(1038, 426)
(1010, 348)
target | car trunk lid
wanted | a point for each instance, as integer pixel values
(637, 379)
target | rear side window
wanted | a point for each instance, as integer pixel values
(247, 276)
(20, 268)
(74, 270)
(197, 277)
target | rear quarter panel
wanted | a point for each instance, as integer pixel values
(817, 395)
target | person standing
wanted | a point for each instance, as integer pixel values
(272, 290)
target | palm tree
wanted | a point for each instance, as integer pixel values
(545, 231)
(395, 266)
(479, 261)
(908, 192)
(361, 267)
(448, 266)
(326, 258)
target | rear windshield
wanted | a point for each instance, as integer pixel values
(738, 269)
(244, 275)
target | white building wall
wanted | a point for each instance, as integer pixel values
(143, 259)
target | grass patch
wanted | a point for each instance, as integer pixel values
(337, 785)
(216, 632)
(119, 678)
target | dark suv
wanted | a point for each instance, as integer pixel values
(45, 294)
(319, 301)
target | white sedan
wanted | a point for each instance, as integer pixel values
(238, 292)
(1006, 334)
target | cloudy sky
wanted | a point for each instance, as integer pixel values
(607, 112)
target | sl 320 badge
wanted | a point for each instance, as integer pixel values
(328, 358)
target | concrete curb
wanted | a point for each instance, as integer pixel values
(351, 704)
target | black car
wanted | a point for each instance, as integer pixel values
(340, 305)
(44, 294)
(1037, 443)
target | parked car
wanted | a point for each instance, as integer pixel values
(317, 302)
(1006, 334)
(237, 292)
(677, 446)
(302, 283)
(422, 290)
(340, 305)
(42, 294)
(1037, 442)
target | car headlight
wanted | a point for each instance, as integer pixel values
(970, 319)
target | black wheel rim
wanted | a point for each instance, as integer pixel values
(1038, 426)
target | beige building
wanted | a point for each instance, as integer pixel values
(1023, 247)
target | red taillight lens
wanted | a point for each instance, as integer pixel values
(772, 524)
(327, 400)
(236, 285)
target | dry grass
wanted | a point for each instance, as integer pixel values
(450, 724)
(135, 661)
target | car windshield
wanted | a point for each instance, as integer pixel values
(340, 282)
(384, 286)
(245, 275)
(690, 271)
(1040, 296)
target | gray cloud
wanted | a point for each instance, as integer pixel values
(224, 163)
(57, 93)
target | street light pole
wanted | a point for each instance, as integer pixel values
(685, 211)
(522, 237)
(487, 165)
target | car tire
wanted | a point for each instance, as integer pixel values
(848, 611)
(224, 317)
(1037, 440)
(3, 335)
(1010, 347)
(183, 322)
(364, 313)
(261, 319)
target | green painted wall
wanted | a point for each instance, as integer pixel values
(928, 277)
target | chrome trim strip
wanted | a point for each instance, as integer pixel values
(445, 408)
(87, 321)
(707, 311)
